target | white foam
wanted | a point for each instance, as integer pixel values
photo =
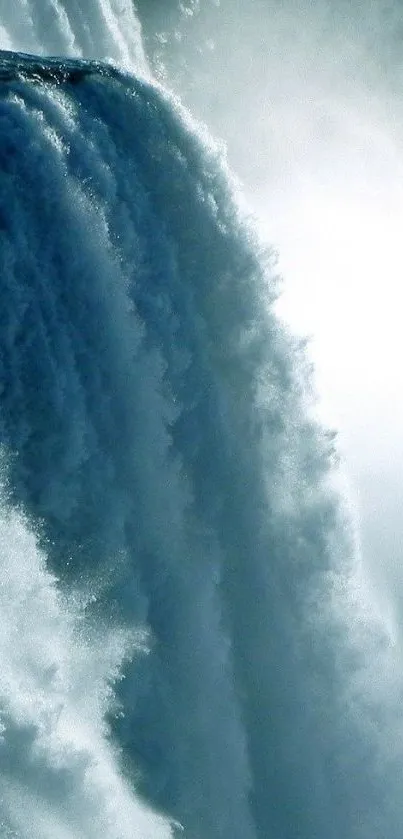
(57, 763)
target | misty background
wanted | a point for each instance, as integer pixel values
(307, 98)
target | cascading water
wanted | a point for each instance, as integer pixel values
(168, 523)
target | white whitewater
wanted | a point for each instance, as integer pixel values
(104, 29)
(59, 774)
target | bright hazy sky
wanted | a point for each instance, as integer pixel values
(307, 97)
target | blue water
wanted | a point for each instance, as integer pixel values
(168, 521)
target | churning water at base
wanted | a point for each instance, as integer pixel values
(168, 525)
(59, 774)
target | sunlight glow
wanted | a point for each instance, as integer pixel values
(341, 255)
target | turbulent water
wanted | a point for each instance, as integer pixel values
(168, 522)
